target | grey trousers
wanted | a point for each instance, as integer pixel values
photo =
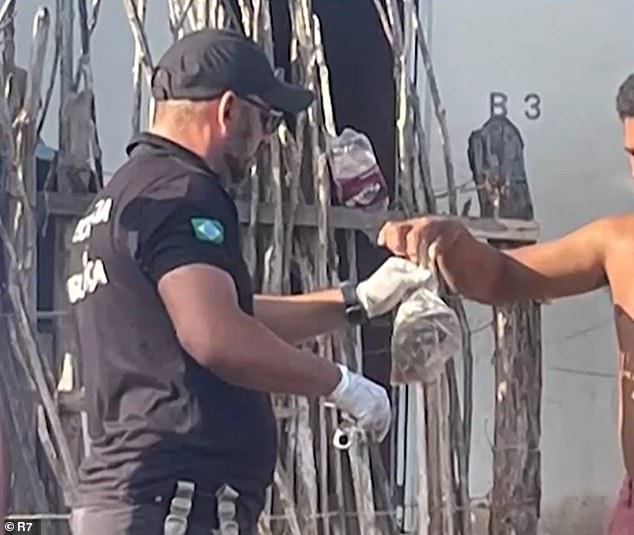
(146, 519)
(187, 512)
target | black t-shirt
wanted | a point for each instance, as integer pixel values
(155, 415)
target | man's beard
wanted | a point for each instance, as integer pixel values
(237, 166)
(237, 169)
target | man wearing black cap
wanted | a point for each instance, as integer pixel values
(179, 357)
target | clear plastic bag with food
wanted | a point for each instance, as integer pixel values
(426, 334)
(357, 177)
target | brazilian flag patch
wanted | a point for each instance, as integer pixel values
(210, 230)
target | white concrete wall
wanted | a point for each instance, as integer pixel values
(574, 53)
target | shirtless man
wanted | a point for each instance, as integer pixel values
(596, 255)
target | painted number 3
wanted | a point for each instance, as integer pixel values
(534, 106)
(499, 105)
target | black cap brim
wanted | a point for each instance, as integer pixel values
(288, 98)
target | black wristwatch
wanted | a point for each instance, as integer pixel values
(355, 313)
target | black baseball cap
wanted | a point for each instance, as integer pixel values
(205, 63)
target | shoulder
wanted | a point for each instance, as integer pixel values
(189, 185)
(173, 202)
(617, 227)
(616, 233)
(618, 241)
(190, 191)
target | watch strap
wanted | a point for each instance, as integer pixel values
(355, 313)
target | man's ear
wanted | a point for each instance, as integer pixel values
(226, 110)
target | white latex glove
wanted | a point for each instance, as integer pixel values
(390, 284)
(365, 401)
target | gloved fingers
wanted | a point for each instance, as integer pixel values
(379, 428)
(420, 278)
(383, 290)
(366, 404)
(399, 272)
(408, 270)
(382, 428)
(378, 419)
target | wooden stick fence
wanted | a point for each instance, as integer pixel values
(288, 226)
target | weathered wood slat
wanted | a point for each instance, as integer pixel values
(143, 54)
(497, 163)
(359, 452)
(502, 229)
(137, 68)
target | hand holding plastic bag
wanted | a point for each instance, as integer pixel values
(426, 334)
(388, 285)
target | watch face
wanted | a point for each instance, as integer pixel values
(355, 314)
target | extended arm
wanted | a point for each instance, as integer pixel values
(570, 265)
(198, 277)
(242, 351)
(195, 274)
(296, 318)
(202, 302)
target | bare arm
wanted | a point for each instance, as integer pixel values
(570, 265)
(296, 318)
(202, 304)
(573, 264)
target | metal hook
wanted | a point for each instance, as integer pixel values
(342, 439)
(344, 434)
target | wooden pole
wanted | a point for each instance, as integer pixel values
(250, 239)
(137, 70)
(65, 12)
(328, 130)
(143, 54)
(403, 195)
(441, 113)
(53, 76)
(87, 24)
(497, 163)
(78, 170)
(25, 487)
(308, 485)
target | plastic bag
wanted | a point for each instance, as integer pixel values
(358, 180)
(425, 336)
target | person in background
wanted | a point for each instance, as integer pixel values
(597, 255)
